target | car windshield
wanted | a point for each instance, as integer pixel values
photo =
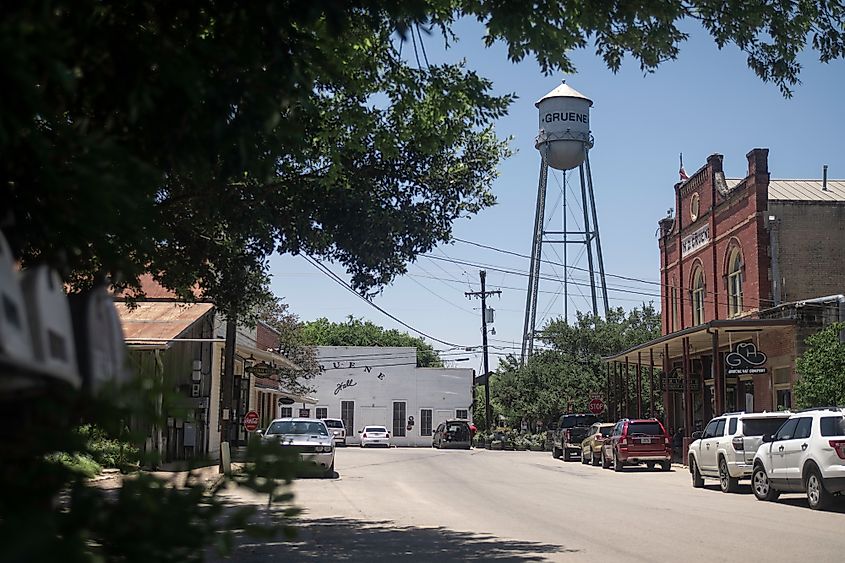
(375, 429)
(570, 421)
(334, 423)
(762, 426)
(645, 429)
(832, 426)
(606, 430)
(297, 427)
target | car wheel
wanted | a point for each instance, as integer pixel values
(617, 465)
(650, 465)
(605, 464)
(596, 461)
(665, 465)
(727, 483)
(556, 452)
(697, 479)
(584, 459)
(329, 472)
(817, 496)
(761, 486)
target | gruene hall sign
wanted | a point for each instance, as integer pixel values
(745, 359)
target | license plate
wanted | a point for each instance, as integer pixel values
(645, 440)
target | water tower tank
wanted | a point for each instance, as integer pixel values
(564, 127)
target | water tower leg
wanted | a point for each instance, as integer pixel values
(602, 279)
(534, 272)
(588, 239)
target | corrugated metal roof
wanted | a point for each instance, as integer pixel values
(800, 190)
(157, 321)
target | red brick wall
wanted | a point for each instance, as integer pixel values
(737, 220)
(265, 338)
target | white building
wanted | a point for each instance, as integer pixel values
(383, 386)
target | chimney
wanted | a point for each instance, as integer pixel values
(824, 178)
(758, 162)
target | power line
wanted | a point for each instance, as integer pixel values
(337, 279)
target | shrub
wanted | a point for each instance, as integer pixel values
(81, 464)
(106, 451)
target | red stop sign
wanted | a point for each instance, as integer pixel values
(251, 421)
(596, 406)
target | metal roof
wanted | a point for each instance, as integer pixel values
(157, 322)
(564, 91)
(800, 190)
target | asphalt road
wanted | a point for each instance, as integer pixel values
(430, 505)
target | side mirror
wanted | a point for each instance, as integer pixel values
(260, 432)
(697, 435)
(767, 438)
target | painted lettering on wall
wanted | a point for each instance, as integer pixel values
(696, 240)
(344, 384)
(572, 116)
(381, 375)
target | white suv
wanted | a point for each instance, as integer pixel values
(337, 430)
(725, 450)
(806, 454)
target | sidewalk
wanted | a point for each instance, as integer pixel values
(174, 473)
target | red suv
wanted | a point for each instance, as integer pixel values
(637, 441)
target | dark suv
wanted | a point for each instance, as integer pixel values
(637, 441)
(453, 434)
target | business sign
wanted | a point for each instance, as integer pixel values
(674, 382)
(745, 359)
(696, 240)
(261, 369)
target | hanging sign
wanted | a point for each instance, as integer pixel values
(745, 359)
(261, 369)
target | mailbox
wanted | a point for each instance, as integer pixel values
(50, 324)
(15, 337)
(100, 346)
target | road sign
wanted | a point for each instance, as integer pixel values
(251, 421)
(596, 406)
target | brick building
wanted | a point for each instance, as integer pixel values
(749, 267)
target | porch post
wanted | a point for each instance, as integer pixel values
(627, 387)
(639, 385)
(667, 396)
(718, 380)
(651, 394)
(687, 388)
(607, 388)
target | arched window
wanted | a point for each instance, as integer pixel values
(734, 283)
(698, 297)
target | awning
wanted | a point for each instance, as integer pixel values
(268, 385)
(700, 339)
(156, 324)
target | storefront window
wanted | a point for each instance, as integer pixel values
(735, 283)
(784, 399)
(698, 297)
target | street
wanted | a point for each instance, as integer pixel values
(425, 505)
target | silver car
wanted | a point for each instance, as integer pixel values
(308, 436)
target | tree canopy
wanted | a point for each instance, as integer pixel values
(822, 370)
(357, 332)
(194, 141)
(564, 375)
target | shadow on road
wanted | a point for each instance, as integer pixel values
(343, 539)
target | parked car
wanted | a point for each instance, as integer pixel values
(725, 449)
(637, 441)
(452, 434)
(309, 437)
(571, 431)
(592, 444)
(806, 454)
(375, 436)
(337, 429)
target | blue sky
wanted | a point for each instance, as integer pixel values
(708, 101)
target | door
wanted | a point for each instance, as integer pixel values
(794, 451)
(784, 435)
(707, 457)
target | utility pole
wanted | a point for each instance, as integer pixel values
(227, 384)
(483, 294)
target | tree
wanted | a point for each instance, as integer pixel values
(291, 343)
(194, 141)
(822, 370)
(562, 377)
(356, 332)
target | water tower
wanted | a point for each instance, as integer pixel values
(564, 142)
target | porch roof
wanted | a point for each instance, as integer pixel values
(157, 323)
(700, 339)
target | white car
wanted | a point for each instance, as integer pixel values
(337, 429)
(309, 437)
(375, 436)
(807, 454)
(725, 449)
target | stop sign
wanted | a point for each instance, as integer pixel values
(251, 421)
(596, 406)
